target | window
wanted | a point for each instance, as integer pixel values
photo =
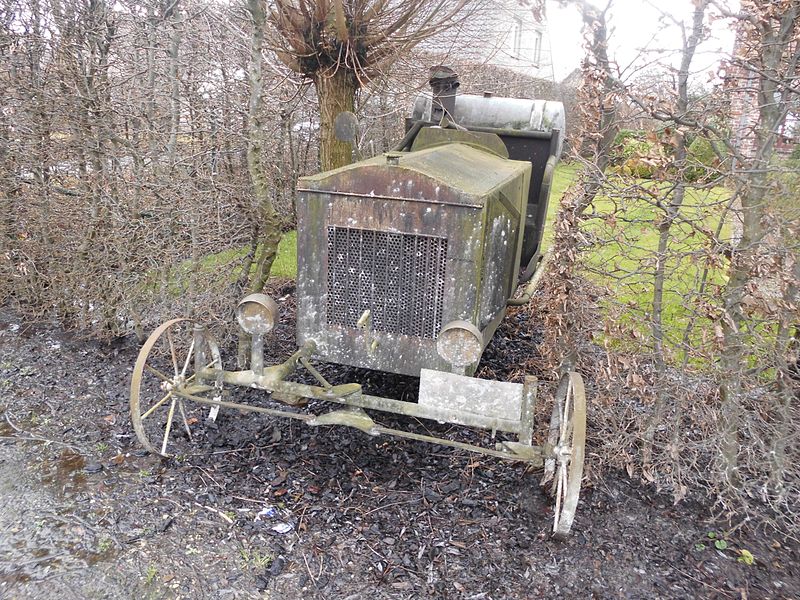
(537, 47)
(516, 38)
(525, 43)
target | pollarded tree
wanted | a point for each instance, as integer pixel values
(341, 44)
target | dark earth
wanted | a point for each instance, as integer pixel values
(265, 508)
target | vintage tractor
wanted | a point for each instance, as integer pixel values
(406, 264)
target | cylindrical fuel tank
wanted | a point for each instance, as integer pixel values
(500, 113)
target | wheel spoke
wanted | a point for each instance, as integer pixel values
(185, 421)
(548, 472)
(172, 351)
(188, 358)
(193, 376)
(568, 434)
(168, 427)
(559, 485)
(565, 412)
(156, 405)
(158, 374)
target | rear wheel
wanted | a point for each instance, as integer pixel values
(563, 467)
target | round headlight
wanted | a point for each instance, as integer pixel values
(257, 314)
(460, 343)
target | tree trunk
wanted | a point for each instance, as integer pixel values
(175, 87)
(336, 93)
(672, 213)
(771, 66)
(734, 350)
(268, 218)
(150, 86)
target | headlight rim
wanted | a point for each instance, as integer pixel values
(451, 355)
(266, 304)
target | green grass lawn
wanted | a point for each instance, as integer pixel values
(622, 258)
(627, 256)
(229, 262)
(285, 265)
(563, 177)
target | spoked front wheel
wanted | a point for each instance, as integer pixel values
(175, 360)
(563, 467)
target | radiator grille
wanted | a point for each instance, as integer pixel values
(399, 277)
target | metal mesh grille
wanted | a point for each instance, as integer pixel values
(399, 277)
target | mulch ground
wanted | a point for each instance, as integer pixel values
(264, 508)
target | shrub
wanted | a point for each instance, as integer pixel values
(637, 153)
(628, 144)
(702, 161)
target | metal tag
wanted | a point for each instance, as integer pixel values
(468, 395)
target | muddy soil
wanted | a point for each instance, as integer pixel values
(263, 508)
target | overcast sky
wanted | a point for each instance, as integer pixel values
(637, 35)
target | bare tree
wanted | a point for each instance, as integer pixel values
(268, 220)
(672, 210)
(598, 93)
(689, 280)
